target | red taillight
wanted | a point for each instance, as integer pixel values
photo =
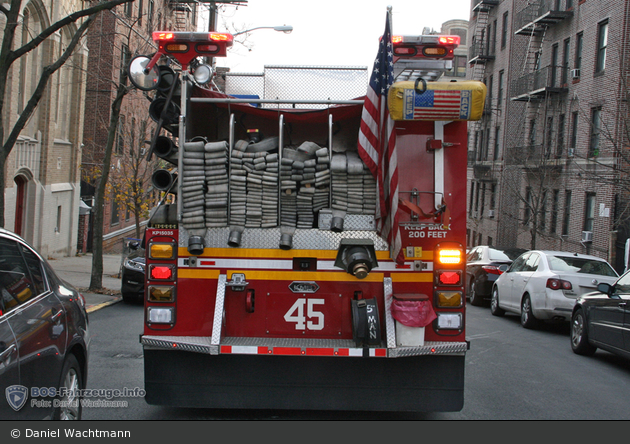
(492, 269)
(161, 272)
(449, 277)
(559, 284)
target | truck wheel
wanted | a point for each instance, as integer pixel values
(69, 407)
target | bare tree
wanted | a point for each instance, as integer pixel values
(8, 56)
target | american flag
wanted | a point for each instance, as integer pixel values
(377, 144)
(445, 104)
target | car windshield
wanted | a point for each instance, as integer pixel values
(504, 255)
(580, 265)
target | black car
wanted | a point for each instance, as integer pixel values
(132, 276)
(44, 337)
(601, 319)
(482, 269)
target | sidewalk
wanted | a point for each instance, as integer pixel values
(77, 270)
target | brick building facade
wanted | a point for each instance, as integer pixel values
(547, 166)
(42, 171)
(118, 36)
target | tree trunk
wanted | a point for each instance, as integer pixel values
(96, 280)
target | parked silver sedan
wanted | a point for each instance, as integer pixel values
(543, 285)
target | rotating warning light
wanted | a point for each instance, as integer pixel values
(450, 256)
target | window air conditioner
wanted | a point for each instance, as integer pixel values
(587, 236)
(490, 213)
(571, 152)
(575, 74)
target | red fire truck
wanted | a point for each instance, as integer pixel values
(268, 283)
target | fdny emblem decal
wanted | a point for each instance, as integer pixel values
(303, 287)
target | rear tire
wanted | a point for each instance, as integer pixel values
(475, 299)
(494, 304)
(527, 316)
(579, 335)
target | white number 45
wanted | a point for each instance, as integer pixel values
(296, 314)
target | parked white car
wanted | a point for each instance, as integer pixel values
(543, 285)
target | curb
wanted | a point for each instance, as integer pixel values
(93, 308)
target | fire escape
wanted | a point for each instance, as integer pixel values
(542, 86)
(481, 53)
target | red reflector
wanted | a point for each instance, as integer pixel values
(161, 273)
(208, 48)
(449, 277)
(404, 50)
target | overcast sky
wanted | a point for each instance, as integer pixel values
(325, 32)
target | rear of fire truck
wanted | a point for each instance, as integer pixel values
(268, 284)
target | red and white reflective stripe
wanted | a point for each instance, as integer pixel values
(284, 264)
(299, 351)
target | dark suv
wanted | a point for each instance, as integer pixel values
(44, 338)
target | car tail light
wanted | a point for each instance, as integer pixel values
(491, 269)
(559, 284)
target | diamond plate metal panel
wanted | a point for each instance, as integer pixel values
(218, 310)
(389, 319)
(196, 344)
(289, 342)
(269, 238)
(430, 348)
(350, 221)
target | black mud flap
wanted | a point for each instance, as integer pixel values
(366, 326)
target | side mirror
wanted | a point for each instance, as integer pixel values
(139, 77)
(134, 245)
(605, 288)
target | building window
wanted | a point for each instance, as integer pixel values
(569, 4)
(500, 88)
(565, 60)
(532, 133)
(602, 43)
(120, 136)
(460, 66)
(567, 213)
(528, 204)
(472, 194)
(596, 126)
(115, 219)
(140, 11)
(574, 129)
(560, 139)
(150, 15)
(543, 211)
(554, 65)
(579, 41)
(504, 31)
(589, 211)
(554, 211)
(59, 213)
(549, 137)
(495, 154)
(493, 196)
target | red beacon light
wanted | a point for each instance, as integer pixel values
(186, 46)
(425, 46)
